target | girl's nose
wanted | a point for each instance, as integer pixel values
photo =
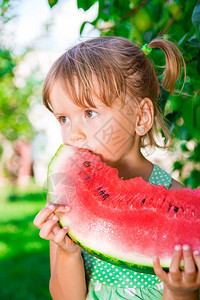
(77, 134)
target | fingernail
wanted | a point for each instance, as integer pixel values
(177, 247)
(54, 218)
(67, 208)
(65, 227)
(51, 207)
(155, 259)
(186, 247)
(196, 252)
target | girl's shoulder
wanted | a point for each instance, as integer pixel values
(176, 185)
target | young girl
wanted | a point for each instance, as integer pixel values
(105, 93)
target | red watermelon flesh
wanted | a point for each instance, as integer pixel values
(128, 222)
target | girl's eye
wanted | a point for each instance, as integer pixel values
(62, 120)
(90, 113)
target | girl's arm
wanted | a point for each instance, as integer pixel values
(67, 269)
(67, 274)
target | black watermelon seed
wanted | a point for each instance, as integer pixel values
(102, 192)
(143, 201)
(99, 188)
(176, 209)
(86, 163)
(88, 178)
(105, 196)
(169, 208)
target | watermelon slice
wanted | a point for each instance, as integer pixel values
(126, 222)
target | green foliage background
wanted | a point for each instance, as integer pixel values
(178, 21)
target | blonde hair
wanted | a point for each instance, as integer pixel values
(121, 70)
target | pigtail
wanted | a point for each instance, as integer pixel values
(174, 63)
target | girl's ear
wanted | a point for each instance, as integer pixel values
(145, 117)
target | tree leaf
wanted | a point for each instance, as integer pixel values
(85, 4)
(196, 17)
(52, 2)
(195, 43)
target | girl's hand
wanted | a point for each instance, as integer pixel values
(181, 284)
(47, 222)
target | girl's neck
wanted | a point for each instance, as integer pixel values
(134, 165)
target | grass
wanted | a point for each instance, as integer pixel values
(24, 256)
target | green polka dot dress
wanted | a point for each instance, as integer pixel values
(107, 281)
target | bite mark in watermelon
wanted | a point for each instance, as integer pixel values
(127, 222)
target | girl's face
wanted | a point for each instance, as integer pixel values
(107, 131)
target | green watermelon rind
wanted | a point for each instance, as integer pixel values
(53, 162)
(115, 261)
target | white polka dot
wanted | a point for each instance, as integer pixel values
(127, 279)
(138, 283)
(123, 282)
(116, 270)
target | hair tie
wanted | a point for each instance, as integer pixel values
(145, 49)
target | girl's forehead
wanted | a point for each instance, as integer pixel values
(61, 98)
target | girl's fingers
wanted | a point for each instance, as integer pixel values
(196, 254)
(174, 269)
(159, 270)
(63, 209)
(60, 235)
(48, 227)
(189, 264)
(43, 215)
